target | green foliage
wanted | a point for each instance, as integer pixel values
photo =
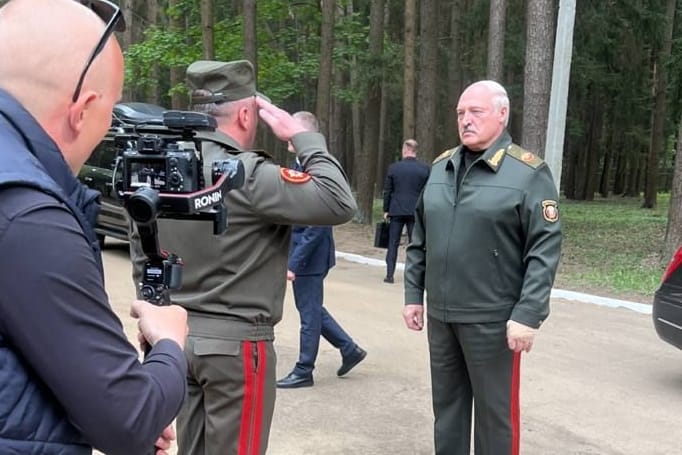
(288, 48)
(610, 96)
(613, 44)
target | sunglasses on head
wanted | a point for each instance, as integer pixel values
(112, 16)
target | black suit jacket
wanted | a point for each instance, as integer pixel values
(404, 182)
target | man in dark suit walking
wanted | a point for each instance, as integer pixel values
(404, 182)
(311, 256)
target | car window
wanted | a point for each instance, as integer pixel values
(104, 155)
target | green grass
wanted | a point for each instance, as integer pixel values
(611, 247)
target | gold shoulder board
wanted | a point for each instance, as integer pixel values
(445, 154)
(523, 155)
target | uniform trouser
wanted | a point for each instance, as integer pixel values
(231, 397)
(395, 230)
(315, 322)
(472, 363)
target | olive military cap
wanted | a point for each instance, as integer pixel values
(227, 81)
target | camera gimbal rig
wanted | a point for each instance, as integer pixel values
(163, 271)
(181, 168)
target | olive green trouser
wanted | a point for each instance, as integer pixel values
(231, 397)
(471, 363)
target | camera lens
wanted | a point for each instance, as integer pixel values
(143, 205)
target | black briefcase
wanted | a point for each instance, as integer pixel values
(381, 235)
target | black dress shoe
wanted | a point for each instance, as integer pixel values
(355, 357)
(294, 381)
(388, 279)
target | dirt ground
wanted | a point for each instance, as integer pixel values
(593, 375)
(359, 239)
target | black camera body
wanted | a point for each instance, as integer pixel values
(163, 178)
(166, 157)
(161, 164)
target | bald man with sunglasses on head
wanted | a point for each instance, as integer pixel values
(70, 381)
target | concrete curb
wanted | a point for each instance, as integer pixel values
(556, 293)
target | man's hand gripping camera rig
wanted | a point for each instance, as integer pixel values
(163, 178)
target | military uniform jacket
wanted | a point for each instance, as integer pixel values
(241, 274)
(487, 250)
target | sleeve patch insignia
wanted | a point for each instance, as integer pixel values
(550, 210)
(292, 176)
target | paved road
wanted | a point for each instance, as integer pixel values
(598, 382)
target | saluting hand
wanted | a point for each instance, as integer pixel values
(283, 124)
(414, 316)
(519, 336)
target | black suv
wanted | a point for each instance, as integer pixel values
(98, 171)
(667, 308)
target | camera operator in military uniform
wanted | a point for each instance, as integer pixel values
(234, 284)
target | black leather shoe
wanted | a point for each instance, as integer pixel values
(388, 279)
(294, 381)
(357, 356)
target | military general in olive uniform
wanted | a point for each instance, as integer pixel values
(234, 284)
(485, 249)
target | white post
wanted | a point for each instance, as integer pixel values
(556, 122)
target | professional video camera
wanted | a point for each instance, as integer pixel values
(162, 177)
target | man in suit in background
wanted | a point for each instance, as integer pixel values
(310, 257)
(404, 182)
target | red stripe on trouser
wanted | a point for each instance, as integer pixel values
(252, 407)
(514, 404)
(245, 426)
(258, 404)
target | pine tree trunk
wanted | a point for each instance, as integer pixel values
(207, 38)
(409, 68)
(428, 79)
(366, 162)
(382, 156)
(324, 81)
(537, 74)
(250, 41)
(592, 151)
(152, 92)
(177, 75)
(455, 79)
(673, 233)
(496, 29)
(660, 99)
